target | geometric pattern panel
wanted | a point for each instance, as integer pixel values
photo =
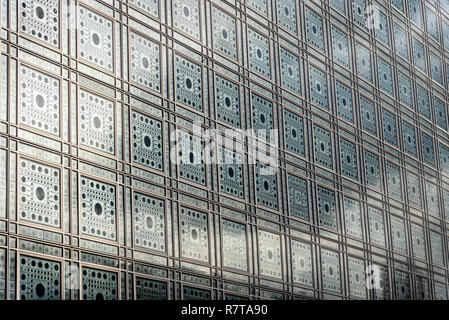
(266, 186)
(330, 270)
(270, 254)
(95, 36)
(231, 173)
(294, 133)
(145, 62)
(357, 282)
(187, 17)
(99, 284)
(368, 115)
(287, 15)
(390, 128)
(97, 127)
(348, 154)
(409, 138)
(418, 242)
(402, 285)
(259, 53)
(150, 6)
(40, 279)
(228, 101)
(394, 181)
(147, 141)
(318, 87)
(191, 157)
(353, 219)
(322, 147)
(234, 245)
(344, 101)
(40, 100)
(98, 209)
(363, 62)
(190, 293)
(314, 27)
(40, 193)
(291, 76)
(302, 263)
(372, 170)
(298, 197)
(398, 235)
(189, 86)
(376, 226)
(224, 33)
(148, 289)
(414, 190)
(194, 234)
(340, 47)
(432, 199)
(428, 150)
(149, 222)
(40, 19)
(327, 209)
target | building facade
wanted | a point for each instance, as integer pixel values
(113, 183)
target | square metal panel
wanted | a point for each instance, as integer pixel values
(398, 235)
(402, 285)
(194, 234)
(145, 62)
(231, 172)
(444, 158)
(418, 242)
(227, 101)
(357, 282)
(340, 46)
(419, 56)
(96, 39)
(353, 219)
(359, 11)
(432, 199)
(189, 83)
(437, 68)
(428, 149)
(390, 128)
(376, 226)
(322, 147)
(298, 197)
(385, 76)
(414, 190)
(372, 170)
(99, 284)
(436, 245)
(314, 29)
(187, 17)
(432, 24)
(262, 114)
(234, 245)
(149, 6)
(330, 270)
(368, 115)
(382, 32)
(224, 33)
(266, 186)
(423, 101)
(147, 141)
(269, 254)
(149, 289)
(344, 101)
(287, 15)
(97, 125)
(259, 53)
(401, 41)
(440, 112)
(190, 293)
(98, 209)
(327, 209)
(294, 133)
(409, 138)
(149, 222)
(415, 13)
(318, 87)
(40, 279)
(422, 288)
(40, 193)
(191, 157)
(348, 155)
(363, 56)
(394, 180)
(39, 100)
(290, 71)
(40, 19)
(383, 293)
(302, 266)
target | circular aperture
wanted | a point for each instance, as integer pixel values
(145, 62)
(259, 53)
(186, 11)
(40, 290)
(266, 186)
(40, 102)
(331, 271)
(149, 222)
(147, 141)
(294, 133)
(231, 172)
(97, 122)
(262, 118)
(224, 33)
(95, 39)
(191, 157)
(227, 102)
(98, 209)
(189, 83)
(322, 146)
(194, 234)
(99, 296)
(40, 193)
(40, 13)
(270, 254)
